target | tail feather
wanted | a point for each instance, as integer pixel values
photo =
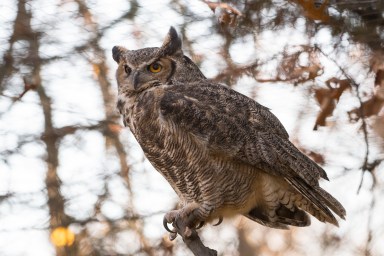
(282, 217)
(265, 222)
(320, 200)
(294, 216)
(331, 202)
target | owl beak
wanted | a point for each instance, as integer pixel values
(135, 80)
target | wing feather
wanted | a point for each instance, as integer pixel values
(237, 127)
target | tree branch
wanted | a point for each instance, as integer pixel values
(192, 239)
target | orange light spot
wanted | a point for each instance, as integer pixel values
(62, 236)
(115, 128)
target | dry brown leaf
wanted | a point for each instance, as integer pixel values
(368, 108)
(291, 70)
(374, 105)
(303, 74)
(328, 98)
(378, 126)
(313, 11)
(317, 157)
(327, 105)
(379, 85)
(225, 13)
(229, 8)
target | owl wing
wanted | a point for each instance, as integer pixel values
(238, 128)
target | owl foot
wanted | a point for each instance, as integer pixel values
(184, 219)
(169, 218)
(185, 222)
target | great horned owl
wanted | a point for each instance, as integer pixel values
(222, 152)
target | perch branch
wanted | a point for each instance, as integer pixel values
(192, 239)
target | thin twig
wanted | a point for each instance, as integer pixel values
(361, 110)
(370, 216)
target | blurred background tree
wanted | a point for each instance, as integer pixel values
(73, 181)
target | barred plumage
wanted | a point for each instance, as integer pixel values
(222, 152)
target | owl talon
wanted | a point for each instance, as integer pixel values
(219, 222)
(172, 235)
(201, 224)
(165, 224)
(184, 219)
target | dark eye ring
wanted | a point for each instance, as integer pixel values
(127, 69)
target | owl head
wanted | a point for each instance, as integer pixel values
(145, 68)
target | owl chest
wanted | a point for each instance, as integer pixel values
(172, 152)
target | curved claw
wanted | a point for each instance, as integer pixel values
(201, 224)
(219, 222)
(165, 224)
(172, 236)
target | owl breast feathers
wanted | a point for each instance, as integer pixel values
(222, 152)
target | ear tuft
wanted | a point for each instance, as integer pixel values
(117, 52)
(172, 43)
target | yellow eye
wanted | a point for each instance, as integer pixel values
(155, 67)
